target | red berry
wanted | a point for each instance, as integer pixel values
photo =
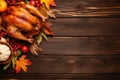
(2, 33)
(13, 1)
(20, 0)
(24, 49)
(37, 5)
(37, 1)
(32, 2)
(8, 1)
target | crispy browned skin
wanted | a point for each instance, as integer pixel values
(34, 11)
(19, 23)
(14, 32)
(22, 13)
(23, 22)
(31, 9)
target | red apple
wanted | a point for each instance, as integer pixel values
(24, 49)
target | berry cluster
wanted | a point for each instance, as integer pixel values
(15, 44)
(18, 45)
(35, 3)
(2, 33)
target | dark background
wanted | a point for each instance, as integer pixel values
(85, 46)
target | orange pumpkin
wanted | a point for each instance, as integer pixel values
(3, 5)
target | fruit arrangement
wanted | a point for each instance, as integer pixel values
(23, 25)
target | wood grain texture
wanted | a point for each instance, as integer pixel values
(88, 8)
(82, 45)
(71, 27)
(107, 76)
(60, 66)
(86, 44)
(76, 64)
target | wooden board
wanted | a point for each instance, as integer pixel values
(62, 66)
(82, 45)
(86, 27)
(85, 46)
(88, 8)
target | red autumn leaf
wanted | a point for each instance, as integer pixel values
(22, 63)
(47, 28)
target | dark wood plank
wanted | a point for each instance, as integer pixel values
(88, 8)
(85, 45)
(86, 27)
(84, 76)
(65, 64)
(81, 45)
(76, 64)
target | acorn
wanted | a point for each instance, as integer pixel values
(6, 53)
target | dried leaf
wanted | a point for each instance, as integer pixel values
(43, 10)
(39, 38)
(6, 66)
(44, 35)
(48, 3)
(51, 14)
(19, 52)
(47, 28)
(22, 63)
(14, 58)
(34, 49)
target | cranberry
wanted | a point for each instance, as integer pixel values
(32, 2)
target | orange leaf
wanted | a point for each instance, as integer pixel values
(22, 63)
(17, 68)
(48, 3)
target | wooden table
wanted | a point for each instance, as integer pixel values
(86, 44)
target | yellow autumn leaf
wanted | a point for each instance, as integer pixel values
(48, 3)
(22, 63)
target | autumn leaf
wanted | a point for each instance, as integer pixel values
(48, 3)
(44, 35)
(51, 14)
(47, 28)
(40, 37)
(34, 49)
(6, 66)
(22, 63)
(43, 10)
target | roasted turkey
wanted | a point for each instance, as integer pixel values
(23, 22)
